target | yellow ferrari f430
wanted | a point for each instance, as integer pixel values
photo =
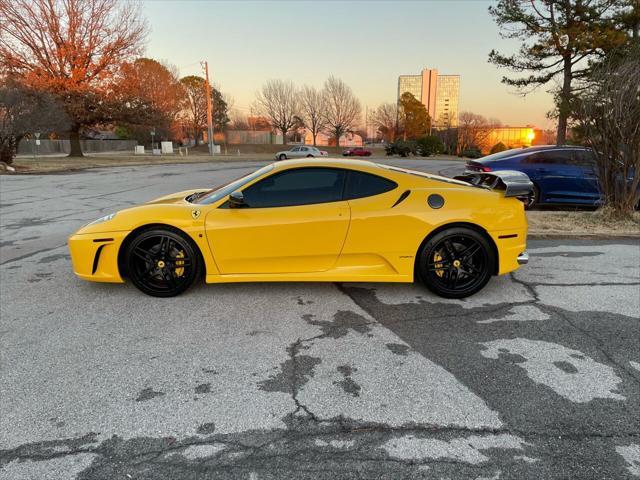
(316, 220)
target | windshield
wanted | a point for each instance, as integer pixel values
(224, 190)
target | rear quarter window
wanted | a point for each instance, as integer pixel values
(361, 184)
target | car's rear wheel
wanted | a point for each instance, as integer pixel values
(456, 262)
(282, 157)
(162, 262)
(533, 199)
(310, 156)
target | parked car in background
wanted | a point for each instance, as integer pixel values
(356, 152)
(303, 151)
(564, 175)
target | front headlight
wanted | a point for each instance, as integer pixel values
(102, 219)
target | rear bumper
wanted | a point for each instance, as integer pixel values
(523, 258)
(94, 256)
(512, 249)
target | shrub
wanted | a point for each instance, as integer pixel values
(429, 145)
(472, 152)
(390, 148)
(402, 148)
(498, 147)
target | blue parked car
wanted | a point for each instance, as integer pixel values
(560, 175)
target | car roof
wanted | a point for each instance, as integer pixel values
(326, 162)
(525, 151)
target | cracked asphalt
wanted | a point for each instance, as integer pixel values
(537, 376)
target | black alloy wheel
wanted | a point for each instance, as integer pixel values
(456, 262)
(532, 200)
(162, 263)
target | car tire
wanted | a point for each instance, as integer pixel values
(533, 201)
(282, 157)
(456, 262)
(310, 156)
(162, 262)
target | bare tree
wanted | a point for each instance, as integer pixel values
(72, 49)
(26, 111)
(313, 108)
(474, 130)
(278, 101)
(384, 118)
(608, 116)
(343, 108)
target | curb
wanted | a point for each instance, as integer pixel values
(582, 236)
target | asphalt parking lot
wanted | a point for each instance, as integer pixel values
(538, 376)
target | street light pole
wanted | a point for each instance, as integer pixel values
(209, 108)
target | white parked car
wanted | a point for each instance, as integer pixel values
(303, 151)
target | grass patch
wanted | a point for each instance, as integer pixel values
(582, 223)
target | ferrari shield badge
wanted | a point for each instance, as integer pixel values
(195, 214)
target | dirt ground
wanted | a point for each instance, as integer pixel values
(545, 223)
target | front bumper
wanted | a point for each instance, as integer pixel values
(94, 256)
(523, 258)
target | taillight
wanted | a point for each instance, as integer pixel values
(478, 167)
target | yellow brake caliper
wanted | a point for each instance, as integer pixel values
(179, 270)
(436, 259)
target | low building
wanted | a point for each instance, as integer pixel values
(511, 137)
(349, 139)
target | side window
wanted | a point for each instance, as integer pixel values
(562, 157)
(585, 158)
(303, 149)
(360, 184)
(300, 186)
(295, 149)
(550, 157)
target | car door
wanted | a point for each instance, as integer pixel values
(554, 174)
(380, 228)
(305, 151)
(294, 152)
(294, 221)
(588, 177)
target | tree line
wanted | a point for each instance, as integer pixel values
(75, 66)
(333, 109)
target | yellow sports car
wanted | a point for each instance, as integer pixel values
(316, 220)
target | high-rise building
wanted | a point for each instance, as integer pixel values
(438, 93)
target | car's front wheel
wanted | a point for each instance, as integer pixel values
(162, 262)
(456, 262)
(282, 156)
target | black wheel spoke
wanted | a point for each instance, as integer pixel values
(149, 272)
(469, 252)
(451, 253)
(164, 245)
(168, 276)
(143, 254)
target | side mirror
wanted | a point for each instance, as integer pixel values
(236, 199)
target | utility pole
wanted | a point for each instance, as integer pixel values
(207, 87)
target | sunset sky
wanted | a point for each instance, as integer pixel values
(366, 43)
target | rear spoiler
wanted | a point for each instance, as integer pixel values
(513, 183)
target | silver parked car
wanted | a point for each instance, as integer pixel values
(301, 152)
